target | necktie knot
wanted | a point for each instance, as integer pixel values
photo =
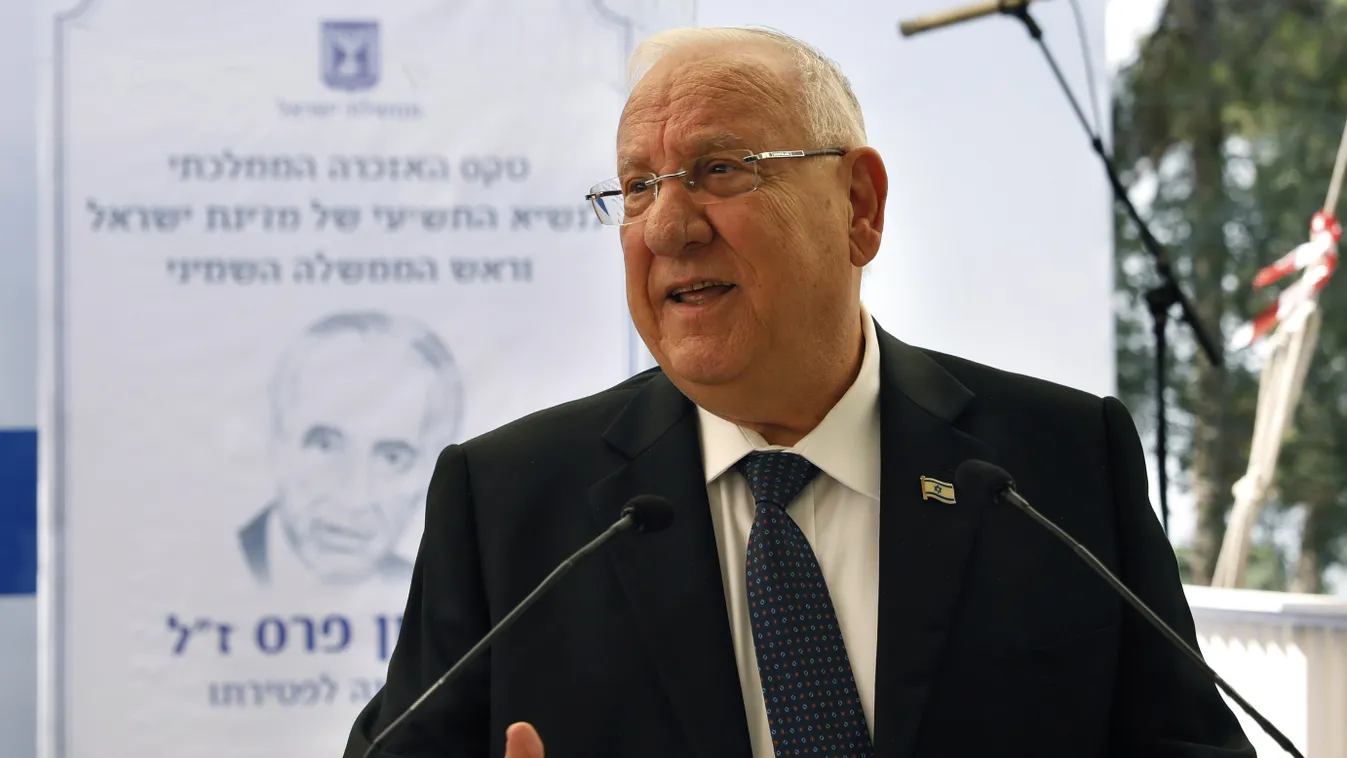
(776, 477)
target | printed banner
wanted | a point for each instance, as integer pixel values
(293, 250)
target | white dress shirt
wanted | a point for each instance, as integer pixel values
(838, 513)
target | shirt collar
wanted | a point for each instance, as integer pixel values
(845, 445)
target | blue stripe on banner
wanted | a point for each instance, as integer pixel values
(18, 512)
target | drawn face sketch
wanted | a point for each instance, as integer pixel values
(362, 406)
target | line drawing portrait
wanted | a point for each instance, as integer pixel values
(361, 404)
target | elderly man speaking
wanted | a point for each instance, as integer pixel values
(821, 591)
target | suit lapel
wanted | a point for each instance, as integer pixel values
(924, 544)
(672, 579)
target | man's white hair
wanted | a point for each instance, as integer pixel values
(832, 112)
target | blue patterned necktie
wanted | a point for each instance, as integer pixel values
(812, 704)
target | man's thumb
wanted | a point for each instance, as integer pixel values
(522, 741)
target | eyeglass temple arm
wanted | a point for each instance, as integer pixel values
(796, 153)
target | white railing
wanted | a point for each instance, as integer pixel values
(1287, 655)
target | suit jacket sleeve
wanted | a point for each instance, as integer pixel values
(1166, 707)
(446, 614)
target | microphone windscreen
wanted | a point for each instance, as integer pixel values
(983, 481)
(651, 512)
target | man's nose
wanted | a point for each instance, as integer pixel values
(676, 222)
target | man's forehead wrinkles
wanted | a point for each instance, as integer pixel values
(699, 92)
(642, 121)
(698, 108)
(692, 147)
(632, 151)
(728, 88)
(721, 140)
(697, 127)
(699, 143)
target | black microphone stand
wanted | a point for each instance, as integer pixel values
(1161, 298)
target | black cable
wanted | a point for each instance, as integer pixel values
(1161, 298)
(1089, 65)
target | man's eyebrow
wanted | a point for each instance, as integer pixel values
(700, 146)
(718, 141)
(629, 162)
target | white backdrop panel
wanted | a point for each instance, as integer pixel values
(292, 249)
(296, 249)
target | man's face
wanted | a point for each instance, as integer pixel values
(782, 252)
(352, 453)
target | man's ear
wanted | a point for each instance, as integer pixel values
(869, 189)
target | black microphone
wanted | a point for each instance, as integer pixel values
(986, 481)
(644, 513)
(959, 15)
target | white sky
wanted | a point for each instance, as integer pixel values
(1125, 22)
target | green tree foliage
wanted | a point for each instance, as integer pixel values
(1233, 110)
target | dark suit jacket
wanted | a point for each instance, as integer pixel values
(994, 639)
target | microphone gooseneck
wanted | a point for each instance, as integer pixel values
(645, 513)
(994, 484)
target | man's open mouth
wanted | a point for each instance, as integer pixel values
(700, 292)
